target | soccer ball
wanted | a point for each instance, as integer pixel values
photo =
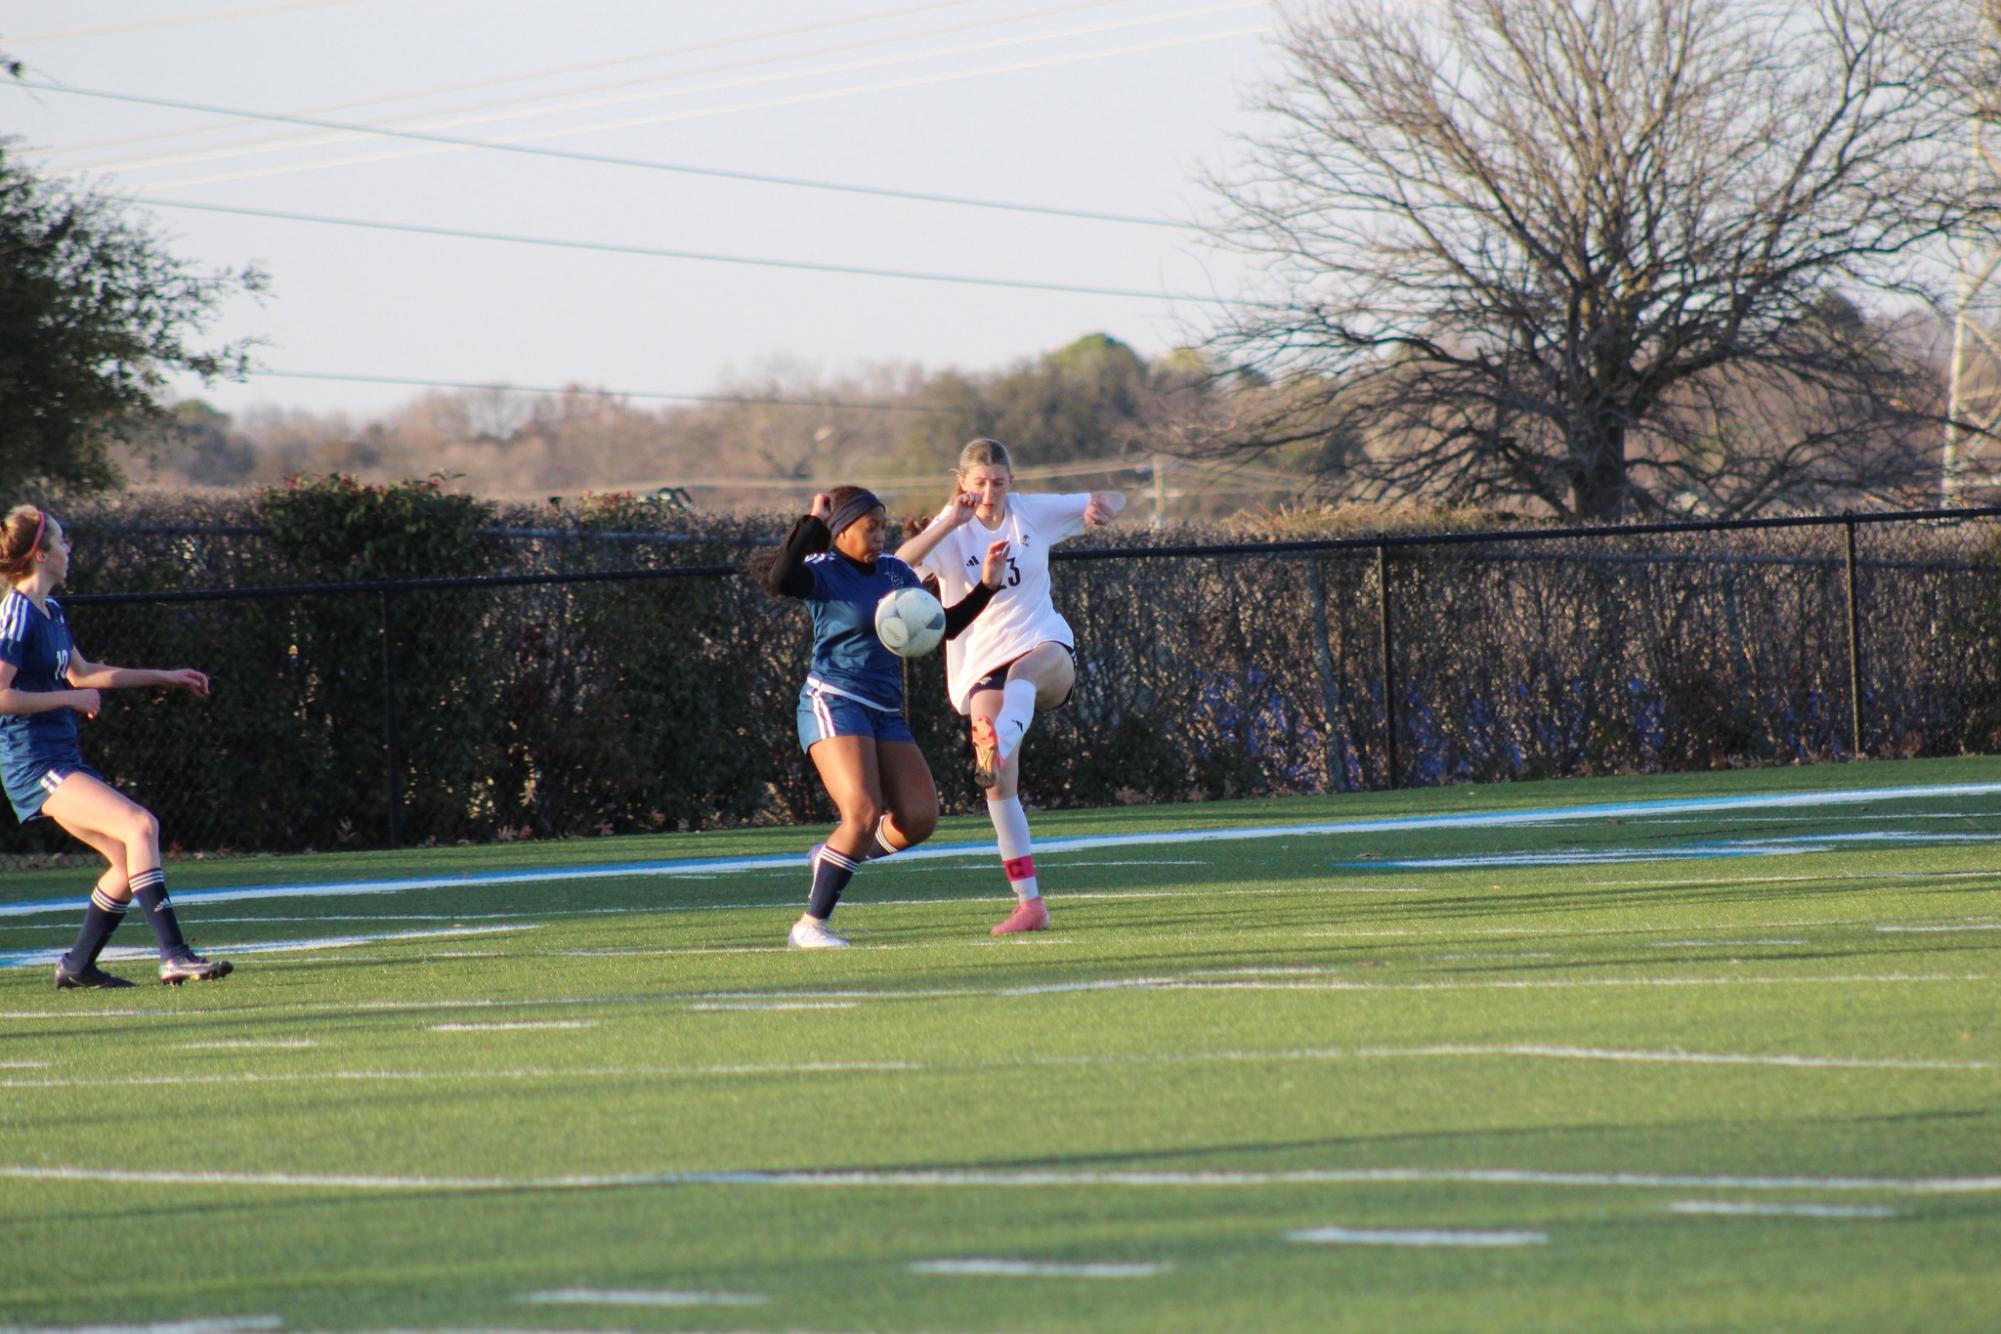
(909, 622)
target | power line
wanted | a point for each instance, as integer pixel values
(656, 54)
(655, 252)
(768, 104)
(517, 109)
(578, 391)
(605, 159)
(111, 29)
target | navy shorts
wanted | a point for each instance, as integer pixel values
(823, 715)
(29, 779)
(997, 678)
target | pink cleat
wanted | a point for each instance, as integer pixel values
(1028, 915)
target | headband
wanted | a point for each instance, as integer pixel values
(41, 522)
(854, 507)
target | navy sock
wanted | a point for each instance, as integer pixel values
(150, 888)
(100, 919)
(831, 873)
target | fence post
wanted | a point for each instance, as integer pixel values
(1388, 641)
(389, 723)
(1330, 700)
(1854, 648)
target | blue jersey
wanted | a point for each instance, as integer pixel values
(39, 648)
(848, 658)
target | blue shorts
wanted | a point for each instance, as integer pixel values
(30, 778)
(823, 715)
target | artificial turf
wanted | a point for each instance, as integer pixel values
(1736, 1066)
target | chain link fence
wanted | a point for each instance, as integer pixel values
(648, 684)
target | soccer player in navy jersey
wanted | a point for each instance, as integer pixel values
(44, 684)
(851, 720)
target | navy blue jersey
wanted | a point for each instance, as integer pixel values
(39, 647)
(848, 659)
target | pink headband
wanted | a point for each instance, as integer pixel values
(41, 522)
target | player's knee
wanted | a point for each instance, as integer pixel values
(141, 827)
(916, 826)
(862, 813)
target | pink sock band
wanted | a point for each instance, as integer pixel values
(1019, 868)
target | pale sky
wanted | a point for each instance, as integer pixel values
(1102, 106)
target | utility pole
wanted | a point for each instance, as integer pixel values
(1974, 389)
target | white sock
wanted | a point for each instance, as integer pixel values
(1011, 723)
(1017, 853)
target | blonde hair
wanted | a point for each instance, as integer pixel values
(22, 534)
(985, 451)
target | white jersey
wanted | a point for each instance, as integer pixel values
(1021, 614)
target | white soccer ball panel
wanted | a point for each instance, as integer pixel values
(909, 622)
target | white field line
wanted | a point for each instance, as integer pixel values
(1492, 954)
(1735, 1209)
(24, 1065)
(198, 1325)
(955, 1180)
(36, 958)
(515, 1027)
(249, 1044)
(1794, 819)
(775, 1005)
(1681, 882)
(792, 861)
(1713, 944)
(1163, 983)
(1038, 1269)
(1941, 930)
(642, 1297)
(1494, 984)
(1348, 1236)
(1566, 933)
(1781, 1060)
(1774, 1060)
(449, 1076)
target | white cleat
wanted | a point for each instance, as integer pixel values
(808, 934)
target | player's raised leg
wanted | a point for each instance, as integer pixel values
(1038, 681)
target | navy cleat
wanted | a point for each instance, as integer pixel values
(192, 967)
(90, 975)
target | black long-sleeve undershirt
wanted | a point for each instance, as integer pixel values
(786, 576)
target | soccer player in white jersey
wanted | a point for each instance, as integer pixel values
(1016, 658)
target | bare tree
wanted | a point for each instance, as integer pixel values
(1605, 256)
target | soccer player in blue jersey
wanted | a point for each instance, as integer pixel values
(44, 684)
(851, 720)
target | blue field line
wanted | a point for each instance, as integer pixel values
(796, 861)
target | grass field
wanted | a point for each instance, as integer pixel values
(1724, 1056)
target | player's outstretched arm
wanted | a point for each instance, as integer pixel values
(98, 676)
(921, 544)
(1104, 507)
